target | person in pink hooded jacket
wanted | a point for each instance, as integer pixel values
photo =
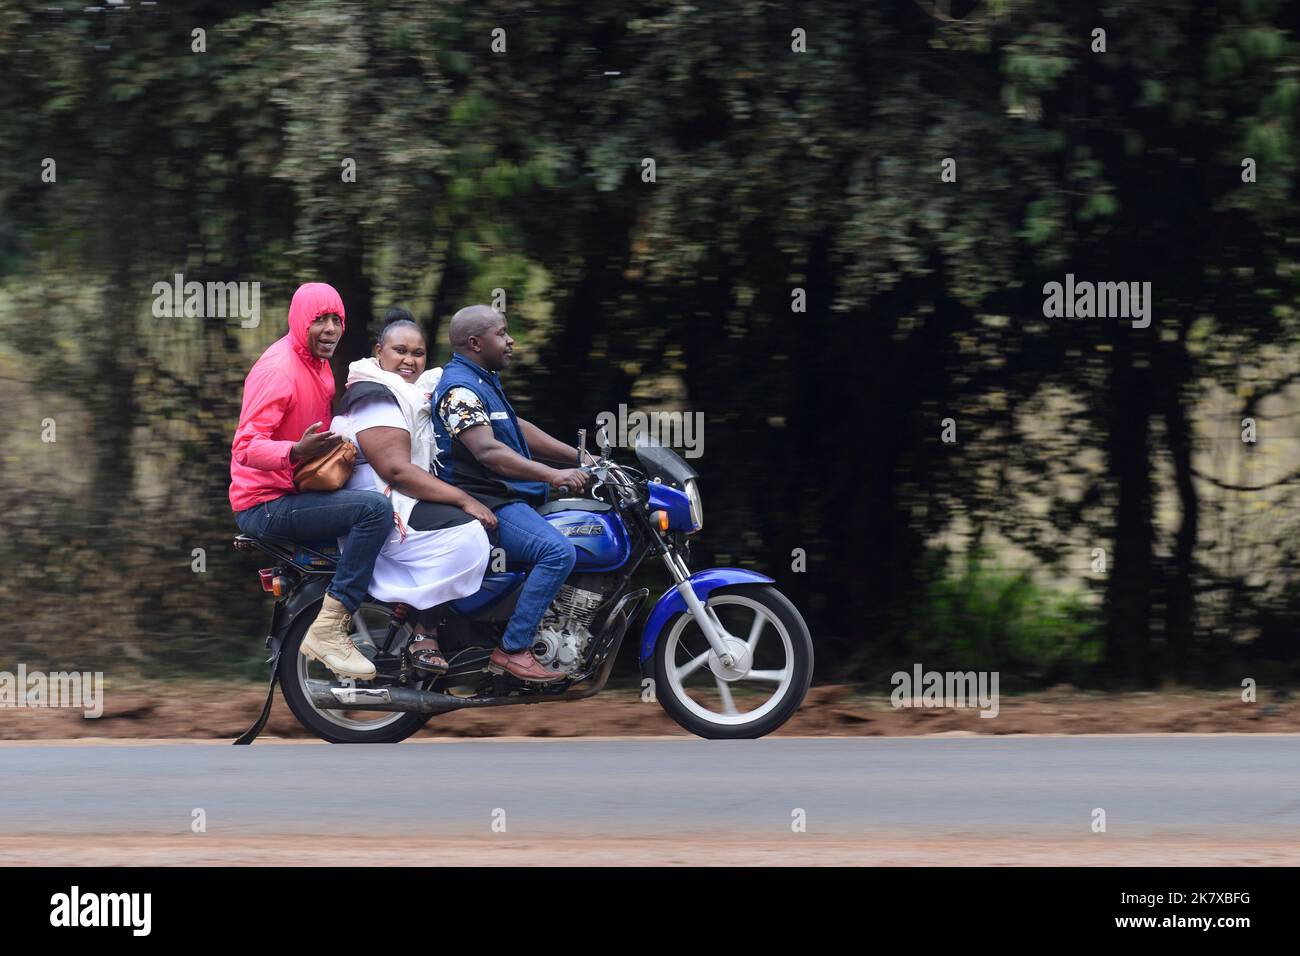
(285, 419)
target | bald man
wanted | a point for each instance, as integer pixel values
(485, 449)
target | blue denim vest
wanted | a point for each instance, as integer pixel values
(460, 372)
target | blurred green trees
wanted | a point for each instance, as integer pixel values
(781, 177)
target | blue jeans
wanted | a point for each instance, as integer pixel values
(528, 538)
(364, 518)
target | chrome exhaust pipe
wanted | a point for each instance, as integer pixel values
(407, 700)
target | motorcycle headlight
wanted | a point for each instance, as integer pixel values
(697, 505)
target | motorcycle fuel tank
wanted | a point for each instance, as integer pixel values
(598, 537)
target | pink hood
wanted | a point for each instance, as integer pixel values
(287, 389)
(310, 302)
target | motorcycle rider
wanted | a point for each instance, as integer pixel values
(487, 450)
(288, 393)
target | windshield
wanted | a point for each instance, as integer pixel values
(664, 464)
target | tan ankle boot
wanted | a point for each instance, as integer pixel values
(327, 641)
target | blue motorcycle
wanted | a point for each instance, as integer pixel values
(723, 651)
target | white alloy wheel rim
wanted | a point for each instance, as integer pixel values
(368, 721)
(764, 620)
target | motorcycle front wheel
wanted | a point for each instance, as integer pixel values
(763, 687)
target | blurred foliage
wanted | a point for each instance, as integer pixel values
(521, 171)
(984, 618)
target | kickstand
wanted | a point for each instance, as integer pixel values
(251, 733)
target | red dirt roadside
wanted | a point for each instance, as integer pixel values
(414, 849)
(214, 710)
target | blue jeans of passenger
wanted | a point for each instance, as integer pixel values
(529, 539)
(364, 518)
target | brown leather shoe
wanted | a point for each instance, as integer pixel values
(523, 665)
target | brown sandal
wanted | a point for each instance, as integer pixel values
(426, 656)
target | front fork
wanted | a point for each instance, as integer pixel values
(717, 635)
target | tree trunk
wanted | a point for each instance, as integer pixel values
(1180, 604)
(1128, 593)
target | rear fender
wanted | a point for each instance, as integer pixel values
(303, 598)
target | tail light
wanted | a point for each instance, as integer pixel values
(271, 581)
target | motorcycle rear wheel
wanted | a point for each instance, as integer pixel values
(339, 726)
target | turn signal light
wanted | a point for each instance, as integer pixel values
(660, 518)
(271, 581)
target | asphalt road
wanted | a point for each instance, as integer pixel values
(1218, 798)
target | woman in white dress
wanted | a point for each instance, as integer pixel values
(439, 548)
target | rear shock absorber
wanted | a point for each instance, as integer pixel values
(395, 621)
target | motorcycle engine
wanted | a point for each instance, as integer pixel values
(562, 640)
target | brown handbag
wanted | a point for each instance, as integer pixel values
(328, 471)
